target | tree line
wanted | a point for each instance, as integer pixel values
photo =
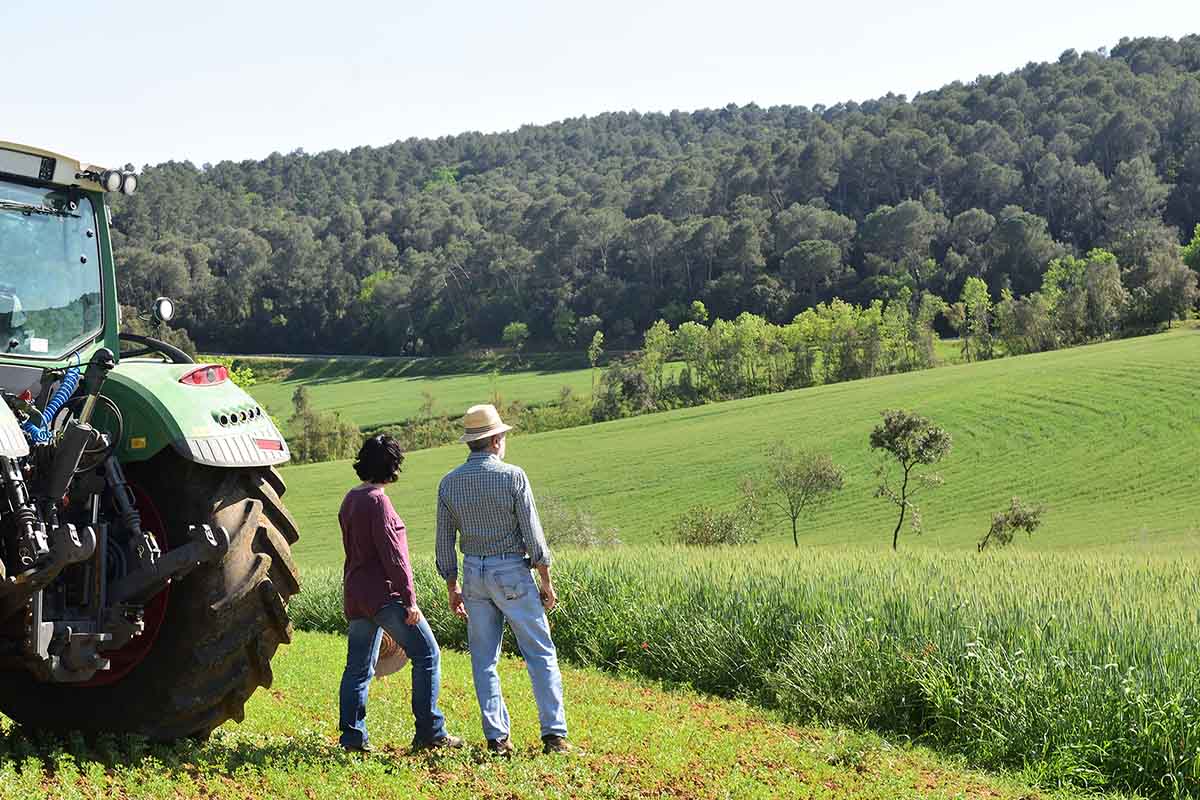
(1081, 300)
(612, 222)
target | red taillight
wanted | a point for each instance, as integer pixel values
(208, 375)
(269, 444)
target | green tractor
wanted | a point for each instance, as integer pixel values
(145, 554)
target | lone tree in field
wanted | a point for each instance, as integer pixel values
(912, 441)
(800, 480)
(594, 351)
(515, 335)
(1005, 524)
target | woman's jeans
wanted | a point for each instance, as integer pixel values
(363, 649)
(495, 589)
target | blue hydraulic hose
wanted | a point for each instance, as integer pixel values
(70, 383)
(36, 435)
(41, 434)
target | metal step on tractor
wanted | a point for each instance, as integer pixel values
(145, 554)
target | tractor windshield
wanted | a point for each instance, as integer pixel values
(49, 271)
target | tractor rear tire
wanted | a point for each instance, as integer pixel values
(223, 622)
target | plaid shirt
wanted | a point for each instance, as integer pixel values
(490, 504)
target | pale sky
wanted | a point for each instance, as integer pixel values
(144, 81)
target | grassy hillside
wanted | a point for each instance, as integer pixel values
(380, 391)
(639, 742)
(1105, 436)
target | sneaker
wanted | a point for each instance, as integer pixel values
(362, 748)
(500, 747)
(556, 744)
(440, 743)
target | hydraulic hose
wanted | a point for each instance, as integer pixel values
(66, 388)
(40, 434)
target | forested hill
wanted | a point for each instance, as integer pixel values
(617, 220)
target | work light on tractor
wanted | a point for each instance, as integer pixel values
(145, 553)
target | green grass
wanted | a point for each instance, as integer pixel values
(376, 392)
(1077, 668)
(638, 741)
(1105, 436)
(948, 351)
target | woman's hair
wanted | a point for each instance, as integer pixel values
(379, 459)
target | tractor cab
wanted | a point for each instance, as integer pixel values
(49, 271)
(50, 268)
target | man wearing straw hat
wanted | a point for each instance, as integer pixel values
(488, 506)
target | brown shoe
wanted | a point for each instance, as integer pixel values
(500, 747)
(556, 744)
(440, 743)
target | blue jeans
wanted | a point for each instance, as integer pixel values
(362, 651)
(495, 589)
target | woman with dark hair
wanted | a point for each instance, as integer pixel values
(379, 595)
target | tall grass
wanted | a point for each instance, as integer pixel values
(1082, 670)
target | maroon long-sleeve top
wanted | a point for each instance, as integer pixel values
(378, 568)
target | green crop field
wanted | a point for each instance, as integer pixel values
(1078, 668)
(638, 741)
(376, 392)
(1071, 658)
(1104, 436)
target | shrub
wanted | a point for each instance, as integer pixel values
(567, 525)
(515, 336)
(1018, 517)
(320, 435)
(625, 390)
(707, 526)
(570, 411)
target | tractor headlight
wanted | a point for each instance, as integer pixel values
(129, 183)
(111, 180)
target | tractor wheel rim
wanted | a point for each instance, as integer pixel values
(123, 661)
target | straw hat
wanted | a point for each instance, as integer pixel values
(391, 657)
(481, 422)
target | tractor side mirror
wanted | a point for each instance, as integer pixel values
(164, 309)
